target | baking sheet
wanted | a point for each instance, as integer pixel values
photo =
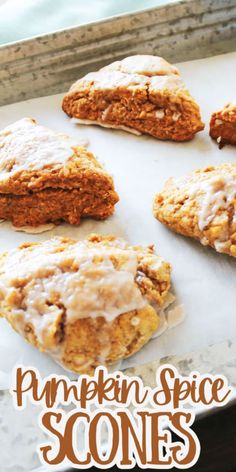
(203, 280)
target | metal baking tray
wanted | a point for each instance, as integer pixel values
(180, 31)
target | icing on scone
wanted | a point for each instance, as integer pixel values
(112, 79)
(170, 82)
(216, 194)
(143, 65)
(202, 205)
(84, 279)
(106, 80)
(33, 147)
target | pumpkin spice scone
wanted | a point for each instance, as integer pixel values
(87, 302)
(223, 125)
(202, 205)
(46, 177)
(140, 94)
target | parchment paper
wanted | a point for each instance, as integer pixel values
(203, 280)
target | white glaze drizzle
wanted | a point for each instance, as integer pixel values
(95, 288)
(109, 79)
(25, 145)
(214, 194)
(112, 79)
(144, 65)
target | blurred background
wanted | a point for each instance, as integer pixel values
(21, 19)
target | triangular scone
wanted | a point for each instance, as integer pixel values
(46, 177)
(223, 125)
(202, 205)
(140, 94)
(87, 302)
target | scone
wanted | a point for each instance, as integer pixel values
(46, 177)
(223, 125)
(202, 205)
(140, 94)
(87, 302)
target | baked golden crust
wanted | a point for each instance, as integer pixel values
(141, 93)
(85, 303)
(223, 125)
(202, 205)
(45, 177)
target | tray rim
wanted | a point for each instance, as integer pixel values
(179, 31)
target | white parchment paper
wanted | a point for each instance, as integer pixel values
(203, 280)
